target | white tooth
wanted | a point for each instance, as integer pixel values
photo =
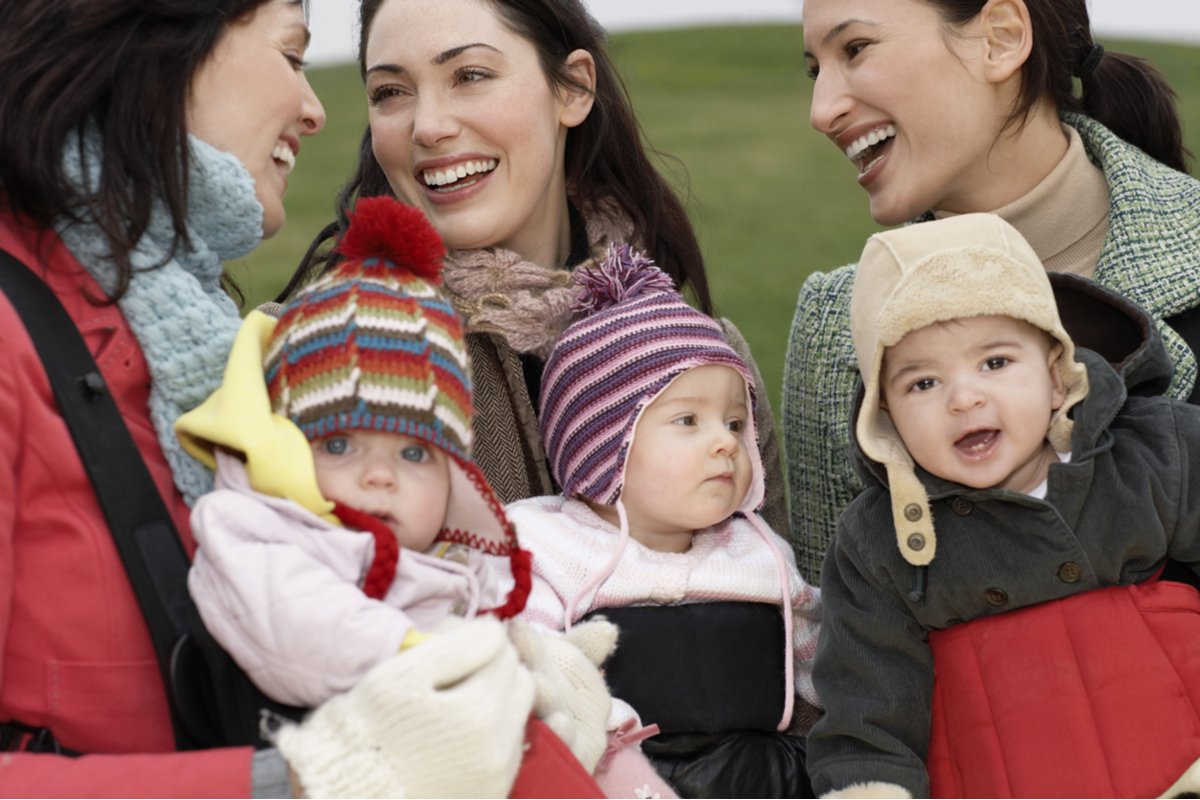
(283, 154)
(458, 172)
(874, 137)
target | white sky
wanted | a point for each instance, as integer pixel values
(334, 37)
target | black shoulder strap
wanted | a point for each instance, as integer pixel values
(145, 536)
(213, 703)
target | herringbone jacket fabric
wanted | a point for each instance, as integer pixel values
(1151, 255)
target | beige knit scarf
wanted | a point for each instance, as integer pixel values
(497, 291)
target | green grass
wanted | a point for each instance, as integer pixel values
(771, 199)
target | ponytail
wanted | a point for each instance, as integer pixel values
(1127, 95)
(1122, 92)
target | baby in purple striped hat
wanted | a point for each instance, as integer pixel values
(648, 424)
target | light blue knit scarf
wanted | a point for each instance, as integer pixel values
(182, 319)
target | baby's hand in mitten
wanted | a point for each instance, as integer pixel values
(443, 719)
(869, 790)
(570, 694)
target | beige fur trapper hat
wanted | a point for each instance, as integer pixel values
(963, 266)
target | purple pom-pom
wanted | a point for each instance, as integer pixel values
(622, 275)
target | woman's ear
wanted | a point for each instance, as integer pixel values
(577, 99)
(1008, 33)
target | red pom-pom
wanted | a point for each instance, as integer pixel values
(385, 228)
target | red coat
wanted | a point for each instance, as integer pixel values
(76, 654)
(1094, 695)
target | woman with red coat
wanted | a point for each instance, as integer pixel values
(143, 145)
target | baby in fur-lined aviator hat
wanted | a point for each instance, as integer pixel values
(995, 623)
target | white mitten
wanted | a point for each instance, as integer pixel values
(869, 790)
(572, 698)
(443, 719)
(1188, 783)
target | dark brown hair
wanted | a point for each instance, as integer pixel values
(605, 158)
(122, 68)
(1120, 91)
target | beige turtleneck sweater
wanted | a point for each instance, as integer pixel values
(1065, 217)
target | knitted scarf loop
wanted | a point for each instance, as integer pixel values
(498, 292)
(180, 316)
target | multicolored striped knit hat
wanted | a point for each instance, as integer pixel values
(637, 336)
(376, 345)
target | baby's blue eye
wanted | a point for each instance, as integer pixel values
(414, 453)
(336, 445)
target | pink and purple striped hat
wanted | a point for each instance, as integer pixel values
(638, 334)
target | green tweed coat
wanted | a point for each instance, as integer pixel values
(1151, 255)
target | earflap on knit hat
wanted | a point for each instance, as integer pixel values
(376, 345)
(969, 265)
(636, 335)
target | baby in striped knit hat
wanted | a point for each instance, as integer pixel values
(647, 419)
(350, 523)
(348, 518)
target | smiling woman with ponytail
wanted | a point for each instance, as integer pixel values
(1009, 106)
